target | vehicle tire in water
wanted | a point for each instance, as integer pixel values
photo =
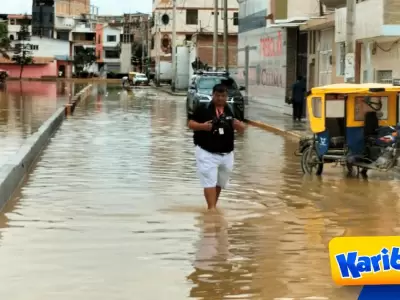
(310, 162)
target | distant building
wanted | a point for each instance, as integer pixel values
(50, 57)
(191, 20)
(14, 23)
(108, 45)
(56, 18)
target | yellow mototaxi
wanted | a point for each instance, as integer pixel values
(353, 125)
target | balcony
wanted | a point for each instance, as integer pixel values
(64, 23)
(84, 28)
(88, 39)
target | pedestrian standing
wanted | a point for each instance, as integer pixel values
(298, 95)
(214, 128)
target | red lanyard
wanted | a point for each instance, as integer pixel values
(219, 112)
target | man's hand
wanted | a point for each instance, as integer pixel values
(239, 126)
(207, 126)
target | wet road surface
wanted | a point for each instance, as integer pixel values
(24, 106)
(113, 210)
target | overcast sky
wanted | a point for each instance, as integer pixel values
(106, 7)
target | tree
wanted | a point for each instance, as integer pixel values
(84, 57)
(4, 40)
(23, 50)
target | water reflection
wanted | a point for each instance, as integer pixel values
(129, 212)
(223, 265)
(24, 106)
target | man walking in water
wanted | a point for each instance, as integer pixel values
(298, 93)
(214, 132)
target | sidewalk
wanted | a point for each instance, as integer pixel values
(277, 122)
(167, 89)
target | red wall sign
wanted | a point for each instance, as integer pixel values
(271, 46)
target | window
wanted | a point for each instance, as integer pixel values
(236, 18)
(361, 107)
(111, 54)
(384, 76)
(208, 83)
(111, 38)
(192, 16)
(99, 39)
(316, 106)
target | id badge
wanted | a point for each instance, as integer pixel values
(221, 131)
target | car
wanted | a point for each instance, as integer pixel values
(200, 92)
(140, 79)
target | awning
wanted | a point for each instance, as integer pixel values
(288, 23)
(63, 57)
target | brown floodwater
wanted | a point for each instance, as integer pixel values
(24, 106)
(113, 210)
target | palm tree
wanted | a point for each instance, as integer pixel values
(5, 42)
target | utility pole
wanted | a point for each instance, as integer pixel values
(143, 27)
(215, 41)
(148, 47)
(158, 47)
(226, 44)
(173, 81)
(350, 56)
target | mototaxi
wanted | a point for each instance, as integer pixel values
(127, 81)
(356, 125)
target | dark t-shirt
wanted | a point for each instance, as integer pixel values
(213, 142)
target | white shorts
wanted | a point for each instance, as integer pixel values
(213, 169)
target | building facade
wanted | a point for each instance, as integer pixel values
(376, 35)
(272, 50)
(193, 17)
(56, 18)
(325, 58)
(50, 57)
(14, 23)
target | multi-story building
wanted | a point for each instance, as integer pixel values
(56, 18)
(51, 58)
(14, 23)
(134, 34)
(193, 17)
(272, 50)
(108, 47)
(376, 34)
(325, 63)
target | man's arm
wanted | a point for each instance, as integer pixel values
(195, 122)
(239, 126)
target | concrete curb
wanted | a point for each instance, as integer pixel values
(81, 96)
(273, 129)
(182, 94)
(14, 172)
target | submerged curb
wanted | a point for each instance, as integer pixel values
(272, 128)
(14, 172)
(168, 92)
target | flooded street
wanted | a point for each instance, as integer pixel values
(114, 211)
(24, 106)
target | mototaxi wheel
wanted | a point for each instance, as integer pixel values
(310, 163)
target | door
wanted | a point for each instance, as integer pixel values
(325, 56)
(316, 112)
